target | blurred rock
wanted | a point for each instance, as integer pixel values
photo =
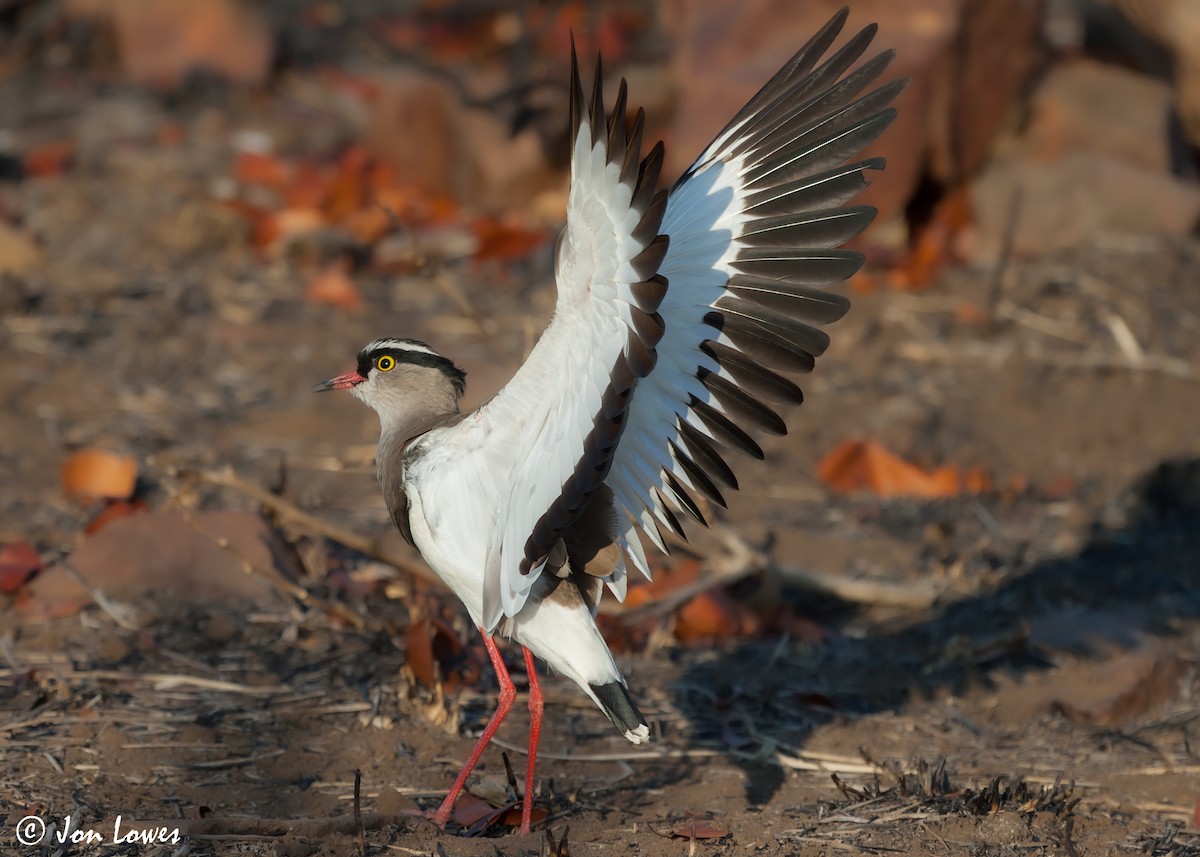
(1066, 203)
(1175, 24)
(160, 42)
(18, 252)
(164, 553)
(1095, 157)
(421, 126)
(1086, 106)
(968, 61)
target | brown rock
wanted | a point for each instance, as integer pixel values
(1067, 203)
(18, 252)
(1175, 24)
(159, 42)
(162, 553)
(1108, 691)
(1119, 690)
(1086, 106)
(420, 125)
(967, 60)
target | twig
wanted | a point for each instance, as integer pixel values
(170, 681)
(486, 326)
(996, 291)
(126, 617)
(236, 828)
(358, 820)
(284, 509)
(739, 560)
(928, 352)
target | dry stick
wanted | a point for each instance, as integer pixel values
(237, 828)
(281, 507)
(1006, 247)
(272, 577)
(486, 326)
(741, 561)
(358, 821)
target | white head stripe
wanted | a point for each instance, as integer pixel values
(401, 345)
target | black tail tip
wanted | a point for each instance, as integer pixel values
(616, 702)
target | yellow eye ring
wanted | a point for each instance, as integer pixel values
(386, 363)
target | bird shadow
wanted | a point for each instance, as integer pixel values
(1145, 569)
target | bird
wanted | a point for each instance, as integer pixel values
(681, 317)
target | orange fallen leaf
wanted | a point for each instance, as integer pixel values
(288, 223)
(933, 244)
(333, 287)
(710, 615)
(512, 816)
(698, 829)
(418, 646)
(97, 473)
(257, 168)
(470, 809)
(971, 315)
(113, 510)
(49, 160)
(864, 465)
(666, 580)
(171, 134)
(503, 242)
(19, 562)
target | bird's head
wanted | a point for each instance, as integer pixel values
(398, 377)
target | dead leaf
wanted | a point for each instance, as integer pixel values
(161, 41)
(865, 465)
(333, 287)
(470, 810)
(934, 244)
(503, 242)
(708, 616)
(113, 509)
(418, 647)
(286, 223)
(51, 159)
(512, 815)
(19, 562)
(166, 553)
(261, 169)
(97, 473)
(693, 828)
(18, 250)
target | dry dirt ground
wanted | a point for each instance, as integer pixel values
(1044, 702)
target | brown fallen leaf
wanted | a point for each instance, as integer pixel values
(261, 169)
(470, 810)
(333, 287)
(503, 242)
(166, 553)
(708, 616)
(51, 159)
(19, 562)
(96, 473)
(418, 647)
(113, 509)
(693, 828)
(865, 465)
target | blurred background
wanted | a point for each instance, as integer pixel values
(980, 541)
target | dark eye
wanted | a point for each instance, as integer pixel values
(386, 363)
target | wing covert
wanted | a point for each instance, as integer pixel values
(755, 224)
(556, 425)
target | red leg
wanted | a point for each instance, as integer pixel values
(535, 729)
(507, 694)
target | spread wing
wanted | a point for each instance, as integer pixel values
(754, 228)
(661, 353)
(555, 426)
